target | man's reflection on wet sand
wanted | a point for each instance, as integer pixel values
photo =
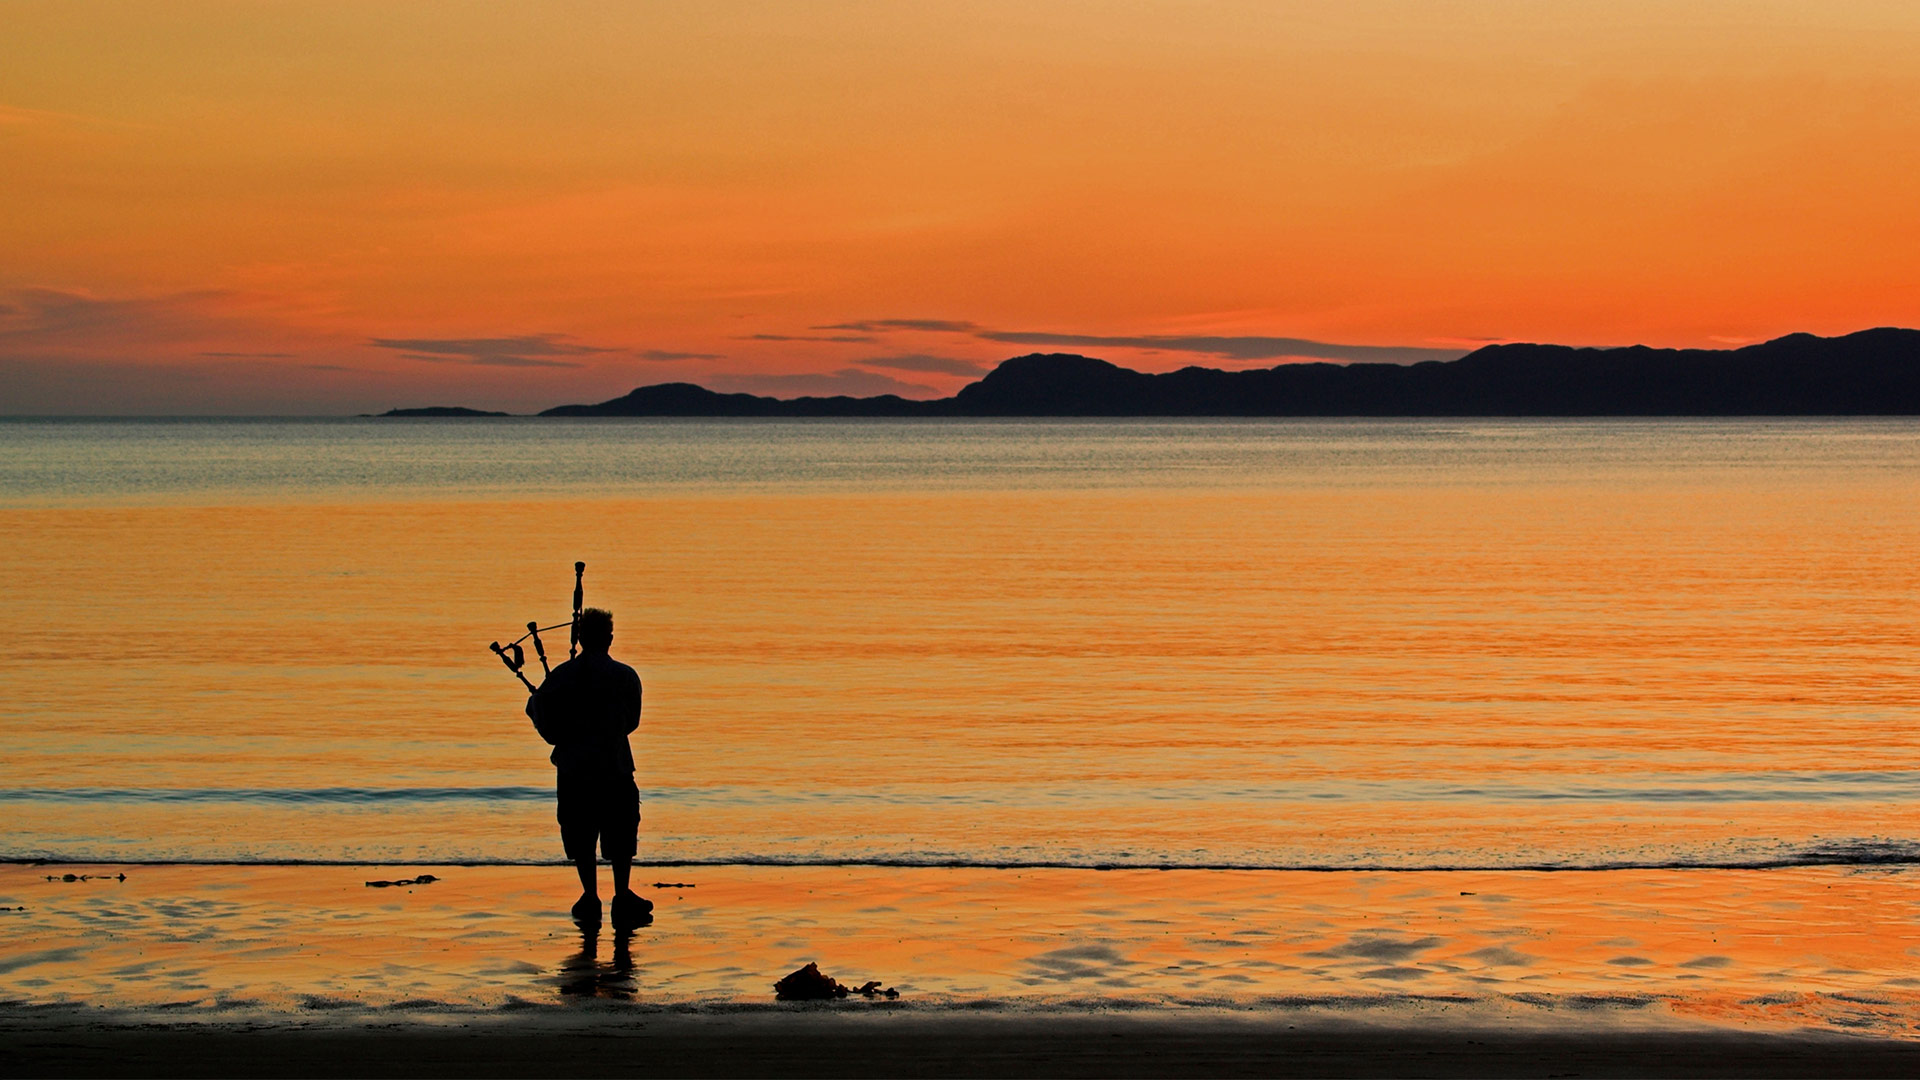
(584, 974)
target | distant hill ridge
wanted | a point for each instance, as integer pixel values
(1873, 372)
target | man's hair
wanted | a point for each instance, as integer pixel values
(596, 627)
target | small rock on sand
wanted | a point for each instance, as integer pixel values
(809, 984)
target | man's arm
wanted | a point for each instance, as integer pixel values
(630, 708)
(543, 709)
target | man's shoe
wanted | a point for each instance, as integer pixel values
(631, 910)
(586, 910)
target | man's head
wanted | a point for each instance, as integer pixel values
(596, 630)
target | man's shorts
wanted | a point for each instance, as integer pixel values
(603, 808)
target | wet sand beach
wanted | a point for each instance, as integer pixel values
(817, 1042)
(308, 970)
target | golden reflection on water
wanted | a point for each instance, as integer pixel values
(1394, 674)
(591, 973)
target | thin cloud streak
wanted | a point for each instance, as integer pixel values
(1234, 348)
(493, 361)
(52, 314)
(664, 355)
(878, 326)
(530, 350)
(838, 339)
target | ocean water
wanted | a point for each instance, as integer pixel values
(1303, 645)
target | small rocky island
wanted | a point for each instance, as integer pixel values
(441, 410)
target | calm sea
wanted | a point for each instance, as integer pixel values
(1301, 644)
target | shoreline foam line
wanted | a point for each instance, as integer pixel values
(1809, 861)
(1737, 787)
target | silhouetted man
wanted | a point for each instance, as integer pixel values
(585, 710)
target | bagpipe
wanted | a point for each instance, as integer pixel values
(512, 655)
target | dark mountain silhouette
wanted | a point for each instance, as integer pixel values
(1873, 372)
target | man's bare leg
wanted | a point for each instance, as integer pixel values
(586, 910)
(629, 911)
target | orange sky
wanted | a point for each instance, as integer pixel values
(329, 207)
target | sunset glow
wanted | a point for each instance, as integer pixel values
(334, 207)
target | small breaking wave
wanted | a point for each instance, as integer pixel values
(1782, 786)
(1871, 852)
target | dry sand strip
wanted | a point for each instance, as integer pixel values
(820, 1044)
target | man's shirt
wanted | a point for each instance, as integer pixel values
(585, 710)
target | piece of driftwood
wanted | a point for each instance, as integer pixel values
(423, 879)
